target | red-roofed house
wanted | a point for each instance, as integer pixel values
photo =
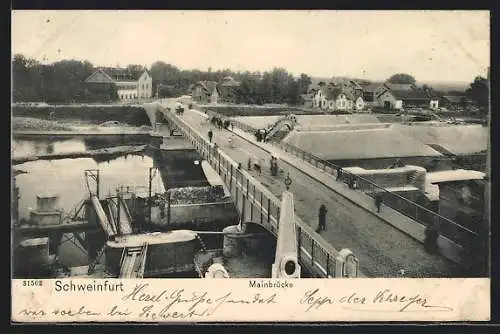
(205, 92)
(131, 85)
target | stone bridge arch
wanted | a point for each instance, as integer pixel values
(155, 114)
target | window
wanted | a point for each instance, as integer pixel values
(368, 96)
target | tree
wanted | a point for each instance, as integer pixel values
(479, 91)
(402, 78)
(248, 90)
(167, 78)
(304, 82)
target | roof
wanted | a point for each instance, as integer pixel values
(122, 74)
(400, 87)
(454, 98)
(229, 82)
(415, 94)
(455, 175)
(458, 139)
(209, 86)
(333, 92)
(313, 87)
(371, 87)
(359, 144)
(355, 84)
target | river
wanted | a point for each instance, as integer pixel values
(65, 178)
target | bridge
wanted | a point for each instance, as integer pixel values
(387, 244)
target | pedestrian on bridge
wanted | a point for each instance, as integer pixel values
(322, 218)
(210, 135)
(378, 201)
(339, 173)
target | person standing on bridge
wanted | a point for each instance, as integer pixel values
(378, 201)
(210, 135)
(322, 218)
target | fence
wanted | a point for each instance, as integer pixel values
(459, 234)
(257, 204)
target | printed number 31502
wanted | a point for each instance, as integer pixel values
(32, 282)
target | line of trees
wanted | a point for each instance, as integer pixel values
(64, 82)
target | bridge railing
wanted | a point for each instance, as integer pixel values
(257, 204)
(462, 235)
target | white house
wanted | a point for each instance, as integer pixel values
(131, 85)
(334, 97)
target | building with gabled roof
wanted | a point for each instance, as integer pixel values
(333, 97)
(205, 92)
(130, 84)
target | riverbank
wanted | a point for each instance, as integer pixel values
(26, 126)
(99, 153)
(127, 114)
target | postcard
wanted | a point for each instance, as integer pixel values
(250, 166)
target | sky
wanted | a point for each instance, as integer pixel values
(444, 46)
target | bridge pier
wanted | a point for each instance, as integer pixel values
(286, 264)
(249, 238)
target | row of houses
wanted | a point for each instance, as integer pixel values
(351, 95)
(336, 95)
(347, 95)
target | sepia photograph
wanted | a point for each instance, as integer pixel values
(263, 145)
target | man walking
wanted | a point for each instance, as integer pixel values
(339, 173)
(210, 135)
(378, 201)
(322, 218)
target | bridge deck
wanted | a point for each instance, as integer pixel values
(383, 250)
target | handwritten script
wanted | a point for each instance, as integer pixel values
(145, 303)
(383, 301)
